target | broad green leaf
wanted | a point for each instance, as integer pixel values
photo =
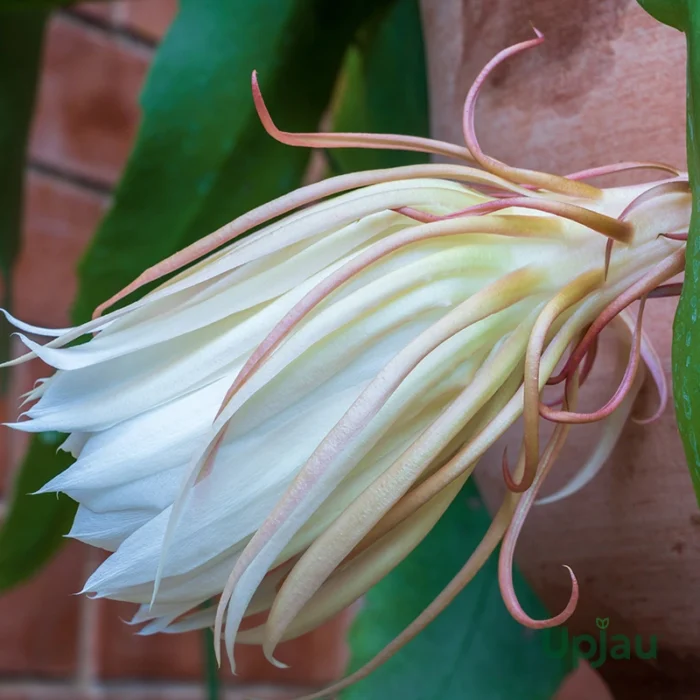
(384, 88)
(686, 325)
(35, 525)
(201, 157)
(21, 35)
(685, 15)
(474, 649)
(671, 12)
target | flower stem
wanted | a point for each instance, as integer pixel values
(211, 667)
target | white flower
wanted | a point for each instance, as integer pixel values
(280, 424)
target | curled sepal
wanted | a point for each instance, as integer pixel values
(538, 179)
(625, 387)
(660, 273)
(615, 168)
(612, 426)
(505, 561)
(353, 140)
(566, 298)
(614, 229)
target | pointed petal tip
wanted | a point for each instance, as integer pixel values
(29, 328)
(269, 655)
(44, 489)
(27, 426)
(229, 654)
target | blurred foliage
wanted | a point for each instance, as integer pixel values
(20, 51)
(383, 89)
(35, 526)
(671, 12)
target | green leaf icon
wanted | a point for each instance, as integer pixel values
(602, 622)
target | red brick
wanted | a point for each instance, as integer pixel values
(317, 658)
(124, 654)
(59, 222)
(137, 691)
(87, 112)
(6, 411)
(103, 11)
(583, 684)
(28, 690)
(39, 631)
(314, 659)
(149, 18)
(264, 691)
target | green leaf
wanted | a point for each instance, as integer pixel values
(35, 525)
(671, 12)
(384, 88)
(21, 36)
(201, 158)
(686, 326)
(474, 649)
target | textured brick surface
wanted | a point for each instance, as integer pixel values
(60, 221)
(123, 654)
(146, 19)
(87, 112)
(6, 411)
(583, 684)
(39, 630)
(102, 11)
(149, 18)
(314, 659)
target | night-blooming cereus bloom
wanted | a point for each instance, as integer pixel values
(279, 424)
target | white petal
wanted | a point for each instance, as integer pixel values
(150, 494)
(249, 476)
(36, 330)
(75, 443)
(151, 442)
(107, 530)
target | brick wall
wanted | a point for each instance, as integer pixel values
(54, 644)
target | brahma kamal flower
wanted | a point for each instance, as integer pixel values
(283, 420)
